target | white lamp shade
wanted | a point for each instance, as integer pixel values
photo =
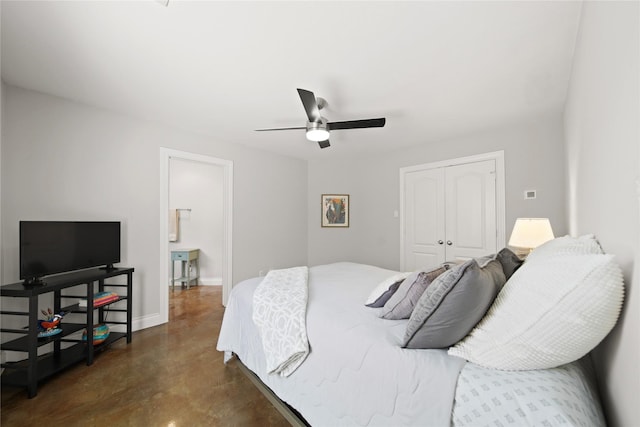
(530, 233)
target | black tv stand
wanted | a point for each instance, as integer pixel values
(68, 347)
(108, 267)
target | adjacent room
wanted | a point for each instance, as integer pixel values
(359, 213)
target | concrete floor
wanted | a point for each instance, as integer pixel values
(170, 375)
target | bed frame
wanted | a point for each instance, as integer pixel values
(291, 415)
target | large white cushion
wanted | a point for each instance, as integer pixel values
(566, 245)
(550, 312)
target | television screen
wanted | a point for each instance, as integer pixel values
(50, 247)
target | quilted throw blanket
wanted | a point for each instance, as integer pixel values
(279, 312)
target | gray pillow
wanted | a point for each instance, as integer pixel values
(401, 304)
(510, 262)
(453, 304)
(382, 299)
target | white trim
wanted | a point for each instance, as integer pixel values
(227, 218)
(498, 156)
(205, 281)
(210, 281)
(494, 155)
(139, 323)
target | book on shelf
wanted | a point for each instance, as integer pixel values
(100, 299)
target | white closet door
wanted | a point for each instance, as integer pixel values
(470, 210)
(424, 219)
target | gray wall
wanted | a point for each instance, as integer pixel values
(603, 144)
(65, 161)
(534, 159)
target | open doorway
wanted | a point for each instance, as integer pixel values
(195, 204)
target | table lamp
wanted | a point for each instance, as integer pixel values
(529, 233)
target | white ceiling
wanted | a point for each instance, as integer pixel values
(435, 70)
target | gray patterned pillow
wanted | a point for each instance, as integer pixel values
(454, 303)
(401, 304)
(566, 395)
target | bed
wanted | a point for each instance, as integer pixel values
(359, 372)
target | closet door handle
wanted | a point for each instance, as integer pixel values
(449, 242)
(440, 242)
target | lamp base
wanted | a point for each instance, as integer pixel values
(521, 253)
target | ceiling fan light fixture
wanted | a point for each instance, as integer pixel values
(317, 131)
(316, 135)
(317, 128)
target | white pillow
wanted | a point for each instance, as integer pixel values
(548, 314)
(566, 245)
(384, 285)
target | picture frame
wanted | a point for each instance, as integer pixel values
(335, 210)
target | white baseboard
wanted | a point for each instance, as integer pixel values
(143, 322)
(211, 281)
(206, 281)
(138, 324)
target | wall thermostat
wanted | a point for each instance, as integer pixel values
(530, 194)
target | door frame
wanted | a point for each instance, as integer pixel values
(166, 154)
(498, 156)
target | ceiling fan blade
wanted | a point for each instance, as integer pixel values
(324, 144)
(263, 130)
(310, 104)
(357, 124)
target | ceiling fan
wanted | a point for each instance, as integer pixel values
(318, 128)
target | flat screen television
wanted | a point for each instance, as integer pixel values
(51, 247)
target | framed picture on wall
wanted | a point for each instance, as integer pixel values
(335, 210)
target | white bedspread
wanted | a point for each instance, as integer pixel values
(279, 312)
(356, 373)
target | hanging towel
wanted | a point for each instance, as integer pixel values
(173, 225)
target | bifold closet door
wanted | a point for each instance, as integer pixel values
(424, 210)
(470, 220)
(449, 214)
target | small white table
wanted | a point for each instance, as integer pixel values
(186, 258)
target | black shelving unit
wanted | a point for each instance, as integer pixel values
(33, 369)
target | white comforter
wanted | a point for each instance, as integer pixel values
(279, 312)
(356, 372)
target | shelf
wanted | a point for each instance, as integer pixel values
(113, 337)
(16, 372)
(15, 313)
(15, 331)
(22, 344)
(34, 368)
(70, 308)
(78, 309)
(61, 281)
